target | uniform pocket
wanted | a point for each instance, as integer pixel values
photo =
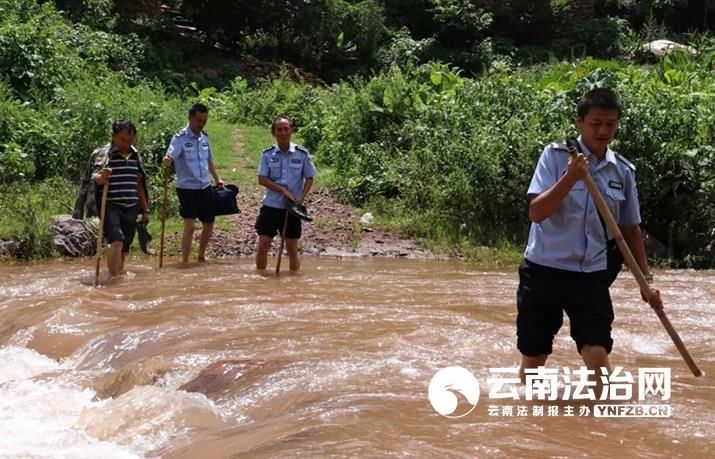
(296, 169)
(615, 195)
(204, 150)
(274, 170)
(614, 199)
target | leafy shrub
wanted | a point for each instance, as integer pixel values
(602, 37)
(462, 151)
(27, 208)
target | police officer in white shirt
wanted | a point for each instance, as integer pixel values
(287, 171)
(190, 152)
(571, 259)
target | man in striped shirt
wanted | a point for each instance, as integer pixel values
(121, 168)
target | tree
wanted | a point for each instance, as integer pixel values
(318, 34)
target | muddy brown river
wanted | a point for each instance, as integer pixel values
(333, 362)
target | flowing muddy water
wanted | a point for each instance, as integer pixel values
(333, 362)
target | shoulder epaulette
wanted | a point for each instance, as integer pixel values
(625, 161)
(267, 149)
(559, 146)
(180, 133)
(205, 133)
(302, 148)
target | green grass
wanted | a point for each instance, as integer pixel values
(252, 140)
(220, 135)
(27, 209)
(237, 149)
(392, 215)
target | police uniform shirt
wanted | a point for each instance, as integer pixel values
(191, 154)
(287, 169)
(572, 238)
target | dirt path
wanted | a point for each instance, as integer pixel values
(335, 231)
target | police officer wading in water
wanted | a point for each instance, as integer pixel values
(190, 152)
(287, 171)
(571, 258)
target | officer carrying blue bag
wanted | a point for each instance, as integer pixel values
(225, 200)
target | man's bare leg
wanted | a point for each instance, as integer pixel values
(187, 239)
(114, 258)
(292, 246)
(264, 245)
(121, 264)
(531, 362)
(206, 231)
(595, 357)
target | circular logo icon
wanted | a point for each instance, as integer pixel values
(444, 387)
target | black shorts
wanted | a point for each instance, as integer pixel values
(544, 293)
(270, 222)
(120, 224)
(197, 204)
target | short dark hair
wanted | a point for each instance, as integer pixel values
(123, 125)
(599, 97)
(197, 108)
(278, 118)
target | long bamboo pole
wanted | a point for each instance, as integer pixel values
(631, 262)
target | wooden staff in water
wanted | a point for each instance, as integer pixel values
(630, 261)
(163, 217)
(100, 235)
(283, 239)
(569, 262)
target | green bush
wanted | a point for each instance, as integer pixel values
(27, 209)
(333, 37)
(453, 157)
(64, 84)
(98, 14)
(40, 50)
(57, 137)
(15, 164)
(88, 108)
(449, 157)
(34, 50)
(602, 37)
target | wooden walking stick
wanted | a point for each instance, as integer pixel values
(163, 218)
(283, 238)
(630, 260)
(100, 235)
